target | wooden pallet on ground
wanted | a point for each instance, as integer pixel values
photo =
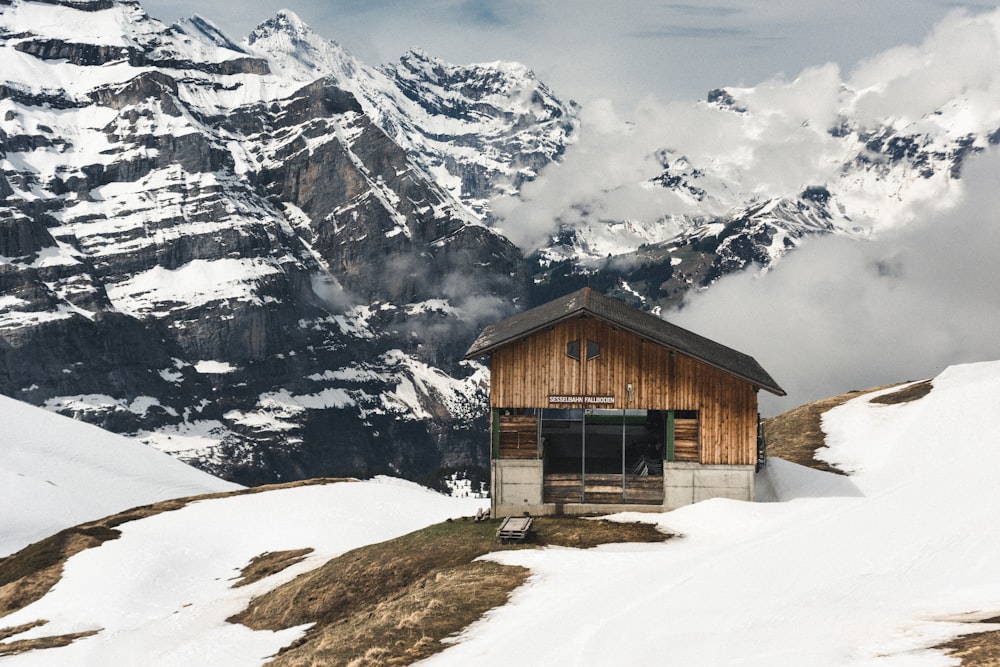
(514, 529)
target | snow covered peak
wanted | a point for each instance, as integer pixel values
(285, 22)
(477, 80)
(296, 50)
(103, 22)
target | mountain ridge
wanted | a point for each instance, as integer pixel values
(219, 213)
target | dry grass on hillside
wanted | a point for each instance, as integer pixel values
(797, 434)
(383, 604)
(26, 576)
(268, 563)
(392, 603)
(977, 650)
(25, 645)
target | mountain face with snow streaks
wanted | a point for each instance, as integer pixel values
(478, 130)
(236, 267)
(267, 257)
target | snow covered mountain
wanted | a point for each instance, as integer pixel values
(266, 257)
(477, 130)
(231, 263)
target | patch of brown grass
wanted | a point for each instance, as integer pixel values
(18, 629)
(392, 603)
(55, 641)
(913, 392)
(978, 650)
(268, 563)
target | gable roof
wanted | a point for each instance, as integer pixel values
(588, 302)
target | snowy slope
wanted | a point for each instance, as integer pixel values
(170, 603)
(56, 472)
(869, 579)
(867, 570)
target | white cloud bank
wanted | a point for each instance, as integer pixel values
(946, 87)
(842, 313)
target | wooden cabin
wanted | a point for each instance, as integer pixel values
(597, 406)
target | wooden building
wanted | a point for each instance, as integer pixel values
(597, 406)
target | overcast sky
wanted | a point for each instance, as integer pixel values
(590, 49)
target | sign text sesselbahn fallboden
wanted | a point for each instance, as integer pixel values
(586, 400)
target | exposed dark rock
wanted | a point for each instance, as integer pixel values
(86, 55)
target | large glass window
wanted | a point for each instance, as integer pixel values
(604, 438)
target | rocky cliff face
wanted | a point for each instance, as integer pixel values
(239, 268)
(477, 130)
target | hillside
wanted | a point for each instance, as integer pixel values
(56, 472)
(877, 566)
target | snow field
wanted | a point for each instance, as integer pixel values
(56, 472)
(172, 573)
(843, 580)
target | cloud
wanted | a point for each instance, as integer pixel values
(703, 10)
(958, 58)
(599, 179)
(948, 86)
(782, 145)
(331, 293)
(689, 32)
(841, 314)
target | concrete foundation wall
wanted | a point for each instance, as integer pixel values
(517, 486)
(687, 483)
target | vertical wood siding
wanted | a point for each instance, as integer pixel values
(526, 372)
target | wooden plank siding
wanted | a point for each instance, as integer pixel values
(518, 437)
(524, 373)
(639, 489)
(686, 440)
